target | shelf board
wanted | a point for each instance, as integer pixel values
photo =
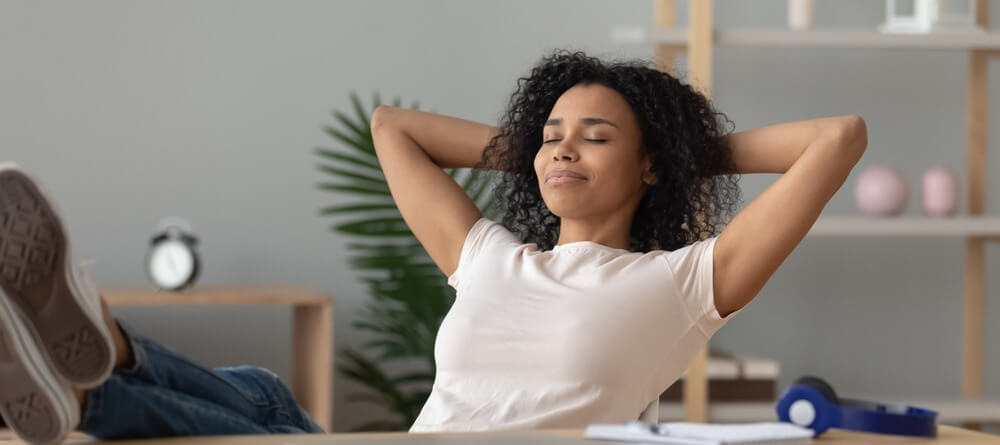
(814, 38)
(949, 411)
(216, 295)
(986, 227)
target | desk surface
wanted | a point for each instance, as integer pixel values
(947, 435)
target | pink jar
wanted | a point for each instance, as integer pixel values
(881, 191)
(940, 192)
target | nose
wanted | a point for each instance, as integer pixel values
(565, 152)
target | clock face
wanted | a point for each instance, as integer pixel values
(171, 264)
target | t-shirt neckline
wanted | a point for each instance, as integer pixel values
(577, 244)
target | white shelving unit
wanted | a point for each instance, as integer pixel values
(908, 227)
(828, 38)
(697, 42)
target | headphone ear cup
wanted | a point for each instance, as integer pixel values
(819, 385)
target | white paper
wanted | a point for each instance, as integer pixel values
(684, 433)
(737, 433)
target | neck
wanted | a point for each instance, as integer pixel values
(609, 230)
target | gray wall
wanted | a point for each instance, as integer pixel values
(134, 110)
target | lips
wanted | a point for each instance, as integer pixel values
(563, 177)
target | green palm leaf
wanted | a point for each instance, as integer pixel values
(359, 141)
(359, 132)
(372, 163)
(358, 189)
(409, 295)
(380, 425)
(356, 208)
(382, 227)
(342, 173)
(359, 109)
(418, 377)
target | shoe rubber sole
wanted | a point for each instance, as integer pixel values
(36, 405)
(36, 277)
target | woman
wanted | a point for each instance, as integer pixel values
(593, 295)
(603, 280)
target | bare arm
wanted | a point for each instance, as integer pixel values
(412, 148)
(774, 148)
(760, 237)
(450, 142)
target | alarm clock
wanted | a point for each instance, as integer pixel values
(172, 262)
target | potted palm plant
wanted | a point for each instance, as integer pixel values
(409, 296)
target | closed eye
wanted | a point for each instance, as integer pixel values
(599, 141)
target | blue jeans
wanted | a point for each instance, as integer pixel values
(166, 394)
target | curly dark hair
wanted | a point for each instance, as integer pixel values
(696, 189)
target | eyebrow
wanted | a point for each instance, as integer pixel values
(583, 120)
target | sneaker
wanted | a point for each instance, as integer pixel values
(42, 286)
(38, 406)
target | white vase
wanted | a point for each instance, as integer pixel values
(800, 14)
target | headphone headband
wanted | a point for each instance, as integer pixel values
(888, 418)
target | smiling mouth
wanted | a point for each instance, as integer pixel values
(564, 177)
(563, 180)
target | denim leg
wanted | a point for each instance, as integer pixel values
(120, 409)
(283, 413)
(166, 394)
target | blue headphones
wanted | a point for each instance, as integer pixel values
(811, 403)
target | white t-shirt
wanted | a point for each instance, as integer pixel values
(581, 334)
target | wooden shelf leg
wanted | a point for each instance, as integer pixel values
(696, 389)
(312, 354)
(700, 66)
(975, 248)
(975, 253)
(700, 46)
(665, 13)
(972, 351)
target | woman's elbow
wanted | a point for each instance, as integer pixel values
(852, 134)
(381, 118)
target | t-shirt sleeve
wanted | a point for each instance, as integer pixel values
(692, 267)
(484, 236)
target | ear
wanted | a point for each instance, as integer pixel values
(647, 172)
(648, 177)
